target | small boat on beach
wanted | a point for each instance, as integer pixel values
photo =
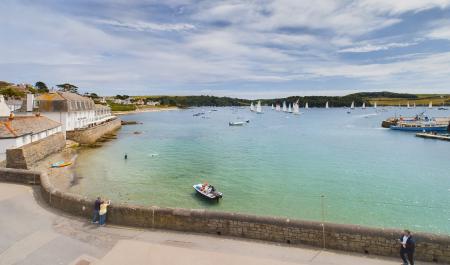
(208, 191)
(61, 164)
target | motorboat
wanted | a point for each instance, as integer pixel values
(238, 123)
(208, 191)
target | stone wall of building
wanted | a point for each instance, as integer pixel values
(376, 241)
(92, 134)
(25, 156)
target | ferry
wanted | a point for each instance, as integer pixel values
(420, 127)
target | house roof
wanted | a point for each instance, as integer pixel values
(22, 125)
(64, 101)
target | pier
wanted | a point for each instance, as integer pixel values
(444, 137)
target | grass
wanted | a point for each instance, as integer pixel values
(122, 107)
(422, 100)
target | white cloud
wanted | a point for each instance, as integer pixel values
(440, 30)
(374, 47)
(147, 26)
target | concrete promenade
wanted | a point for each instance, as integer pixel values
(33, 234)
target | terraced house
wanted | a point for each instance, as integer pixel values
(72, 110)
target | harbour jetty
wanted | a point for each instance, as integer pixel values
(353, 238)
(443, 137)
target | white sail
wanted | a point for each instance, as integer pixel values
(414, 106)
(353, 105)
(306, 105)
(326, 105)
(278, 108)
(430, 106)
(273, 107)
(290, 108)
(375, 105)
(258, 107)
(407, 105)
(252, 107)
(296, 108)
(284, 106)
(364, 105)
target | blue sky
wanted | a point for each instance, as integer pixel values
(249, 49)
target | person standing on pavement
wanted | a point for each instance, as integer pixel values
(407, 248)
(103, 211)
(97, 204)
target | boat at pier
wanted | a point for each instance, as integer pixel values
(208, 191)
(420, 126)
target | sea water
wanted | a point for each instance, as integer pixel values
(324, 165)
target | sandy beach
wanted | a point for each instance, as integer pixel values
(141, 110)
(61, 178)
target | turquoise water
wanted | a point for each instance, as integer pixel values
(278, 164)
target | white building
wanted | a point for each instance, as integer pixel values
(72, 110)
(152, 103)
(21, 130)
(4, 109)
(14, 104)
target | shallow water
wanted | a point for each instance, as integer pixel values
(279, 164)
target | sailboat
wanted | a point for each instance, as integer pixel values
(414, 106)
(407, 105)
(306, 105)
(430, 106)
(273, 107)
(353, 105)
(252, 107)
(290, 108)
(326, 105)
(277, 107)
(258, 107)
(296, 108)
(364, 105)
(375, 105)
(284, 106)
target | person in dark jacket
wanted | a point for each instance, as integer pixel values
(97, 204)
(407, 248)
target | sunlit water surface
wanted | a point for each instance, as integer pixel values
(279, 164)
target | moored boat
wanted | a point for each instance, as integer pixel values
(238, 123)
(419, 127)
(208, 191)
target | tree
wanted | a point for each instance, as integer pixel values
(66, 87)
(41, 87)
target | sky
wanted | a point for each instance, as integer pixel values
(249, 49)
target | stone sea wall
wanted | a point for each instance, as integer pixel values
(376, 241)
(92, 134)
(24, 156)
